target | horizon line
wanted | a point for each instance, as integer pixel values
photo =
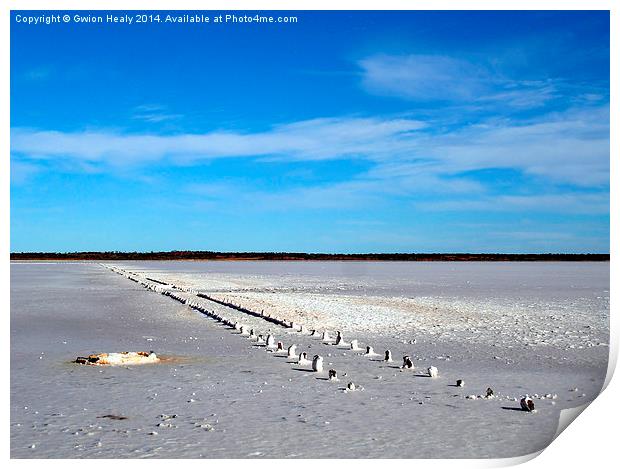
(292, 255)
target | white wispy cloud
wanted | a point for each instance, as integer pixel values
(574, 203)
(21, 172)
(154, 113)
(316, 139)
(443, 78)
(569, 147)
(360, 193)
(38, 74)
(425, 77)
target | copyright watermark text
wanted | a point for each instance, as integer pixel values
(151, 17)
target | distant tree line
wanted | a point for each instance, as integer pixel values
(297, 256)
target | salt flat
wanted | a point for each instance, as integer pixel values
(538, 328)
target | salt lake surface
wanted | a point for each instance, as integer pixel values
(519, 328)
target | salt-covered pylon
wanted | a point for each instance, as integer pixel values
(303, 359)
(339, 339)
(527, 404)
(407, 363)
(317, 363)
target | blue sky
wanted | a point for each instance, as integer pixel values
(343, 132)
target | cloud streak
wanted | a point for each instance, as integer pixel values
(570, 147)
(154, 113)
(571, 203)
(426, 78)
(423, 77)
(317, 139)
(371, 189)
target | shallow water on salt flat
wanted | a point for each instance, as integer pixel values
(266, 407)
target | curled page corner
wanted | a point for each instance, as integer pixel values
(612, 362)
(567, 416)
(515, 461)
